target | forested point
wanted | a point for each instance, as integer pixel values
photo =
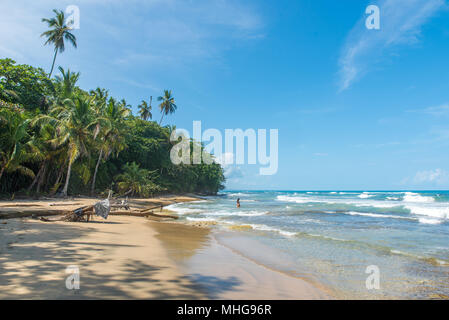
(58, 139)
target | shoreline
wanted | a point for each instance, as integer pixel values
(131, 257)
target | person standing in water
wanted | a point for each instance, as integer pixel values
(238, 203)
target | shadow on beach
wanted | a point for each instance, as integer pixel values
(35, 255)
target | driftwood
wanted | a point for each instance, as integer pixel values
(152, 208)
(161, 206)
(162, 215)
(141, 214)
(84, 214)
(62, 204)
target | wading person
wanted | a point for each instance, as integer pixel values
(238, 203)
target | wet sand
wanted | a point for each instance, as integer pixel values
(222, 273)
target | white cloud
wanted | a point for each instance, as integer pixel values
(441, 110)
(434, 177)
(225, 158)
(401, 23)
(233, 172)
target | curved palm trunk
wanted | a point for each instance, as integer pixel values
(161, 119)
(1, 172)
(36, 178)
(66, 186)
(58, 180)
(42, 178)
(53, 64)
(92, 189)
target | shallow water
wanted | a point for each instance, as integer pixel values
(334, 236)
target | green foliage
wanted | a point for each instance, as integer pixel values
(15, 149)
(137, 181)
(24, 85)
(56, 137)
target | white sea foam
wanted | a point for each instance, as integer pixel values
(375, 204)
(262, 227)
(294, 199)
(253, 213)
(201, 219)
(415, 197)
(393, 198)
(181, 210)
(439, 211)
(238, 194)
(365, 195)
(355, 202)
(430, 221)
(375, 215)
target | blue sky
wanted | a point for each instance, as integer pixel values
(355, 108)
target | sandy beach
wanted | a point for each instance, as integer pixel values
(130, 258)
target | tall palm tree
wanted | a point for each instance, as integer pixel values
(112, 137)
(59, 32)
(145, 110)
(167, 105)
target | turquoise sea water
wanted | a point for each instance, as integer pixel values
(333, 236)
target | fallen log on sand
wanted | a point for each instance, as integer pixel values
(30, 213)
(76, 215)
(141, 214)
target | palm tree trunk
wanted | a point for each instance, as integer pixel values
(36, 178)
(42, 178)
(66, 186)
(1, 172)
(53, 64)
(161, 118)
(58, 180)
(92, 189)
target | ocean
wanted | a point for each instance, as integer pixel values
(335, 237)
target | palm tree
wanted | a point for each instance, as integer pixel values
(73, 123)
(167, 105)
(113, 139)
(145, 110)
(136, 180)
(100, 94)
(66, 83)
(48, 155)
(59, 32)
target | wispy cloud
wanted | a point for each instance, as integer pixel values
(155, 32)
(441, 110)
(434, 177)
(401, 24)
